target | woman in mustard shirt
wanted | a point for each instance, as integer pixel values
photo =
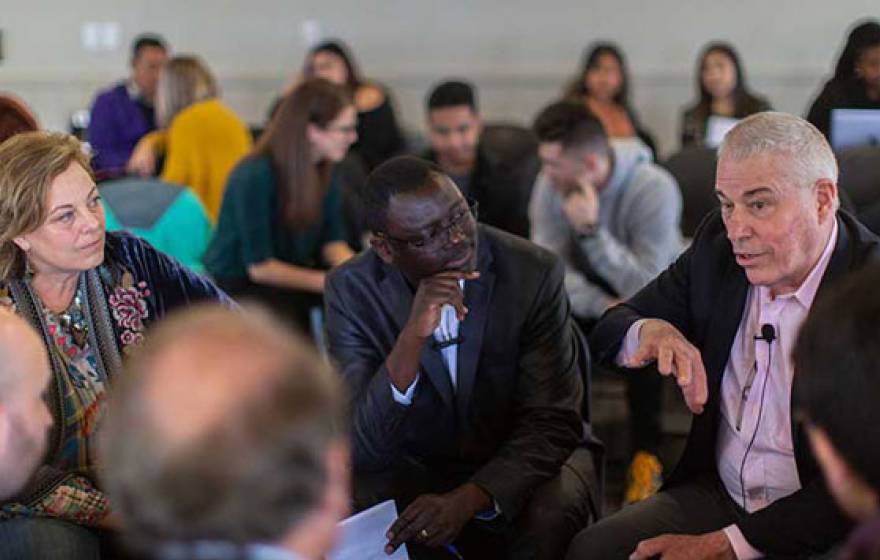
(201, 138)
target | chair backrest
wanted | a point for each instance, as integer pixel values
(860, 175)
(510, 145)
(15, 117)
(585, 365)
(512, 153)
(694, 170)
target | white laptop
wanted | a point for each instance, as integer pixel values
(854, 127)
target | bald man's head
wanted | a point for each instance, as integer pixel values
(226, 414)
(24, 417)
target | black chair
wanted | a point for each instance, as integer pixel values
(591, 442)
(694, 170)
(512, 152)
(860, 176)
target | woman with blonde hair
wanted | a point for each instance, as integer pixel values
(200, 137)
(91, 295)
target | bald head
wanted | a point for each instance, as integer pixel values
(224, 413)
(24, 417)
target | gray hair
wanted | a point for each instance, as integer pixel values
(250, 473)
(807, 151)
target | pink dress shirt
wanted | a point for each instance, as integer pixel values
(755, 453)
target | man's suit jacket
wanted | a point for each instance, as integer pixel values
(703, 294)
(514, 418)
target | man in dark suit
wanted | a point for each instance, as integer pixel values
(723, 319)
(457, 346)
(459, 147)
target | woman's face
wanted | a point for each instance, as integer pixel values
(718, 75)
(72, 237)
(605, 79)
(331, 142)
(330, 66)
(868, 67)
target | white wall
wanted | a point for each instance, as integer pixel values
(518, 53)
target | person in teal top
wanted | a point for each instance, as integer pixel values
(281, 222)
(170, 217)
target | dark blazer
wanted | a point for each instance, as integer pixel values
(514, 418)
(703, 294)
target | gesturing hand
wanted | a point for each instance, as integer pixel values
(432, 294)
(660, 341)
(436, 519)
(711, 546)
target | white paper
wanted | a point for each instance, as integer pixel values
(362, 536)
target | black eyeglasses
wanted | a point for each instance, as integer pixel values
(442, 232)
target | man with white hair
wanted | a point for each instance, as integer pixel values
(24, 417)
(723, 320)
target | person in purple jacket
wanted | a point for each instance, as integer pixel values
(122, 114)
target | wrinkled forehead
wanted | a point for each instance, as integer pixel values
(415, 211)
(773, 170)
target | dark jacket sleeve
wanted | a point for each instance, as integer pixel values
(376, 417)
(666, 297)
(808, 520)
(549, 392)
(172, 284)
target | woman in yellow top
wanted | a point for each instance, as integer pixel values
(200, 137)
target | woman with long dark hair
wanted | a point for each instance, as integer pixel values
(379, 136)
(280, 225)
(856, 80)
(603, 84)
(723, 92)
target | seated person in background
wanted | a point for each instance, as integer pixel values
(456, 344)
(836, 390)
(612, 217)
(723, 319)
(15, 117)
(454, 130)
(170, 217)
(231, 415)
(723, 92)
(201, 138)
(379, 136)
(603, 85)
(123, 114)
(281, 223)
(91, 296)
(24, 416)
(856, 80)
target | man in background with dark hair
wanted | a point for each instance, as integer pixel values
(225, 440)
(124, 113)
(613, 217)
(464, 373)
(455, 131)
(837, 393)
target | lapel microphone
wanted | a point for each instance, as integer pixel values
(768, 333)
